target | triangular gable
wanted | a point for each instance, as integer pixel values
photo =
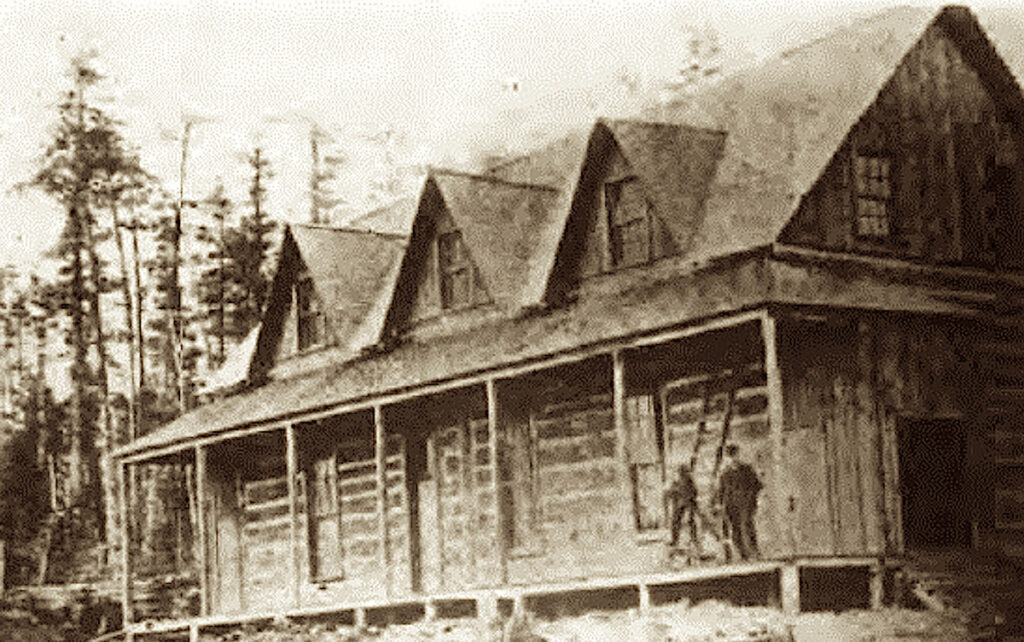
(675, 165)
(352, 272)
(504, 225)
(787, 117)
(509, 231)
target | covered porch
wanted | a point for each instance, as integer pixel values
(509, 489)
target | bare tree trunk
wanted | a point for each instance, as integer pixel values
(103, 464)
(140, 331)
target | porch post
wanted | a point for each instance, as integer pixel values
(126, 575)
(204, 571)
(292, 465)
(776, 419)
(619, 410)
(380, 450)
(492, 449)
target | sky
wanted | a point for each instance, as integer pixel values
(449, 80)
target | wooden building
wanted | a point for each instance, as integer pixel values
(817, 261)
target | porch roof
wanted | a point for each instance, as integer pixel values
(670, 294)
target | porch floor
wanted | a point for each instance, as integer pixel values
(775, 583)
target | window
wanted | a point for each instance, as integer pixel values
(310, 321)
(455, 270)
(873, 191)
(629, 226)
(342, 508)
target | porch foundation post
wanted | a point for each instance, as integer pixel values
(292, 466)
(789, 588)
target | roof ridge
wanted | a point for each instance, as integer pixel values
(352, 230)
(659, 123)
(490, 179)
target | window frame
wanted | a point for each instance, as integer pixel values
(309, 316)
(619, 221)
(872, 190)
(454, 268)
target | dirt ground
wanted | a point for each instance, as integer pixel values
(708, 621)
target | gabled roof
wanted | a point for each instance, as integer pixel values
(394, 218)
(353, 271)
(674, 163)
(510, 228)
(786, 117)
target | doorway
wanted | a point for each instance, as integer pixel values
(931, 467)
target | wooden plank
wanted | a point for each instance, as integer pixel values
(292, 466)
(204, 571)
(776, 419)
(126, 575)
(380, 454)
(493, 423)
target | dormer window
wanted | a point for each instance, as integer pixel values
(629, 223)
(310, 314)
(456, 271)
(873, 194)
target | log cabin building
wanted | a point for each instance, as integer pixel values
(817, 261)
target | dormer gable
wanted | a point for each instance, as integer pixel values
(639, 198)
(330, 290)
(480, 245)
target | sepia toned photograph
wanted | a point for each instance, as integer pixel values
(511, 320)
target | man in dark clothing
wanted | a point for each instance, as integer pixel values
(682, 502)
(737, 491)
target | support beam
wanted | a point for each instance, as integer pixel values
(877, 586)
(776, 419)
(292, 464)
(493, 426)
(126, 568)
(619, 412)
(201, 504)
(380, 451)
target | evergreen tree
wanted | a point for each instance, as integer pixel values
(249, 251)
(212, 284)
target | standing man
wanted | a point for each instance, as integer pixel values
(737, 491)
(682, 502)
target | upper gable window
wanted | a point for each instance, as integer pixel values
(629, 223)
(310, 314)
(456, 271)
(873, 194)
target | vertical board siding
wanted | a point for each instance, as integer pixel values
(846, 385)
(947, 137)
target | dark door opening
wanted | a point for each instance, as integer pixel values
(932, 457)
